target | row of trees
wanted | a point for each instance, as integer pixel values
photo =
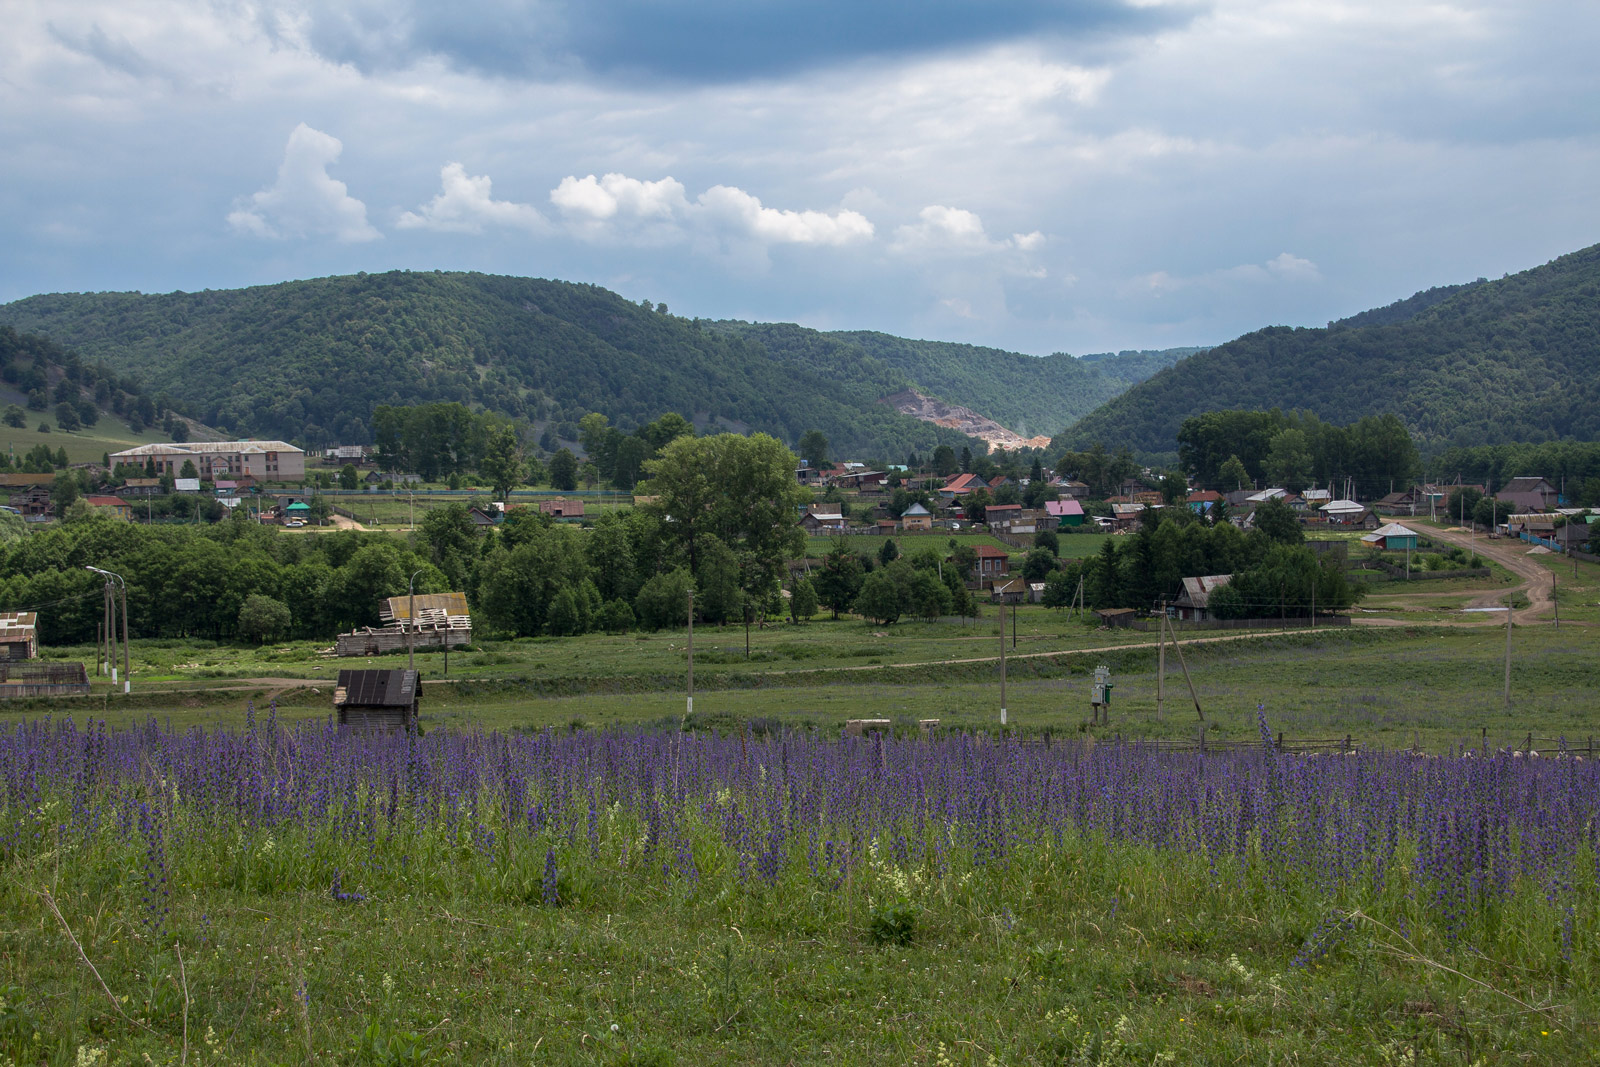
(1227, 450)
(1274, 572)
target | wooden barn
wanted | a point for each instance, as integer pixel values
(378, 700)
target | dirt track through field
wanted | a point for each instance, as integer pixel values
(1538, 581)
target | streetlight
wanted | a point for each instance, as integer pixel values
(111, 638)
(411, 631)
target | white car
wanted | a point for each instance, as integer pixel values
(295, 522)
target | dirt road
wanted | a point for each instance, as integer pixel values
(1537, 579)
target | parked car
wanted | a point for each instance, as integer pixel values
(295, 522)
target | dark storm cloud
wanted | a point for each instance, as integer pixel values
(713, 41)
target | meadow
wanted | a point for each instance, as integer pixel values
(564, 868)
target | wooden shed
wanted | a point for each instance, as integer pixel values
(18, 635)
(378, 700)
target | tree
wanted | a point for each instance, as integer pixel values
(501, 465)
(15, 417)
(814, 448)
(564, 471)
(1276, 521)
(63, 492)
(347, 477)
(1048, 540)
(1490, 512)
(616, 617)
(263, 618)
(67, 417)
(889, 552)
(975, 505)
(838, 582)
(740, 491)
(879, 599)
(1060, 589)
(663, 601)
(189, 470)
(718, 594)
(1038, 565)
(1233, 475)
(802, 600)
(1289, 460)
(944, 461)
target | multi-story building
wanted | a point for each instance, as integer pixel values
(265, 461)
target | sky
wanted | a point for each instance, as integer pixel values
(1038, 175)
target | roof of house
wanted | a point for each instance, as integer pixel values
(1124, 510)
(1197, 591)
(992, 508)
(105, 501)
(1062, 508)
(23, 481)
(1394, 529)
(1315, 495)
(960, 483)
(825, 516)
(915, 509)
(186, 485)
(1012, 585)
(1204, 496)
(991, 552)
(1343, 507)
(202, 448)
(385, 689)
(1265, 495)
(1527, 485)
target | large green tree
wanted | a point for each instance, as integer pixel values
(741, 491)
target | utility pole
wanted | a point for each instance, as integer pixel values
(1002, 663)
(411, 623)
(1554, 602)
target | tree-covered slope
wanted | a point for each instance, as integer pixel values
(1027, 394)
(312, 359)
(1511, 360)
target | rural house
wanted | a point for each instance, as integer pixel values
(1529, 494)
(1192, 603)
(1392, 537)
(1067, 513)
(377, 700)
(18, 639)
(115, 505)
(916, 517)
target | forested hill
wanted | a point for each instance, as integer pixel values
(1516, 359)
(1028, 394)
(312, 359)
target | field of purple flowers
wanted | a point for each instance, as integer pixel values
(1467, 884)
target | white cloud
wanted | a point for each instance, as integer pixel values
(956, 231)
(1285, 267)
(608, 205)
(1293, 268)
(464, 205)
(616, 195)
(305, 201)
(739, 210)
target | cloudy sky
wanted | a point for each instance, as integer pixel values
(1044, 175)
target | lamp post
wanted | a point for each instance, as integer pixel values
(111, 630)
(411, 628)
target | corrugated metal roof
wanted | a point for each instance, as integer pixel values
(378, 688)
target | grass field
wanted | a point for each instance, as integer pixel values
(517, 921)
(110, 434)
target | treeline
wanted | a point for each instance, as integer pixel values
(57, 380)
(1571, 465)
(1273, 571)
(1499, 361)
(1227, 450)
(194, 581)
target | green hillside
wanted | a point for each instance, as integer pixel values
(1028, 394)
(310, 360)
(1511, 360)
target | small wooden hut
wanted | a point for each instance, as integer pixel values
(18, 637)
(378, 700)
